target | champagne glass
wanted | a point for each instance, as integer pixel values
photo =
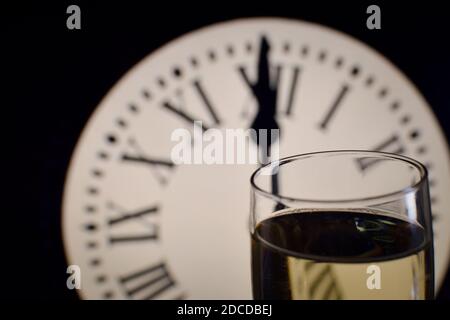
(342, 225)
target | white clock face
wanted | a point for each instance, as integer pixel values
(141, 227)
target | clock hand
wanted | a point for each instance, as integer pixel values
(266, 95)
(265, 90)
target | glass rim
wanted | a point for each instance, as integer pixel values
(383, 155)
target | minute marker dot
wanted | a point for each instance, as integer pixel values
(177, 72)
(414, 134)
(110, 138)
(92, 191)
(230, 50)
(95, 262)
(194, 62)
(304, 51)
(395, 105)
(97, 173)
(103, 155)
(421, 150)
(146, 94)
(355, 71)
(405, 119)
(212, 55)
(133, 108)
(121, 123)
(161, 82)
(248, 47)
(382, 93)
(322, 56)
(91, 245)
(90, 209)
(369, 81)
(339, 62)
(91, 227)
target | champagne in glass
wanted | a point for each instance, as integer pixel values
(342, 232)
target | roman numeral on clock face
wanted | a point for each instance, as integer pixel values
(179, 107)
(391, 144)
(343, 91)
(292, 90)
(149, 161)
(139, 216)
(206, 101)
(161, 168)
(272, 84)
(148, 283)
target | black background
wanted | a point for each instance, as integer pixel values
(56, 77)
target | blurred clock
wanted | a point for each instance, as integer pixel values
(141, 227)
